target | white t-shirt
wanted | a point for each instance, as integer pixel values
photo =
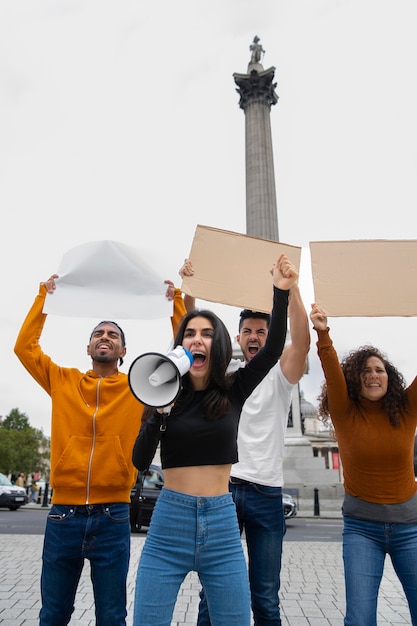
(262, 427)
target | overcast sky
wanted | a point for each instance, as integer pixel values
(120, 120)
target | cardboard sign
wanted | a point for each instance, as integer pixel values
(234, 269)
(365, 278)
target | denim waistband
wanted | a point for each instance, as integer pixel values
(90, 509)
(195, 501)
(239, 481)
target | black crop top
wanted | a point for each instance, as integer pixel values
(190, 438)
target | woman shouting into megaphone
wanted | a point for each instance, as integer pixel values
(194, 525)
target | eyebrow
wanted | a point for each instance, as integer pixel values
(205, 328)
(255, 329)
(100, 331)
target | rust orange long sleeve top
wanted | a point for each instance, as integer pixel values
(377, 458)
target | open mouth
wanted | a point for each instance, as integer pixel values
(253, 349)
(199, 359)
(103, 346)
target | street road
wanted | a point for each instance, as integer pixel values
(29, 520)
(314, 529)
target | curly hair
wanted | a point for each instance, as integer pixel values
(216, 402)
(395, 400)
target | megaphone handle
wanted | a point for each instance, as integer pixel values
(163, 425)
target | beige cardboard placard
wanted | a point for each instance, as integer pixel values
(365, 278)
(234, 269)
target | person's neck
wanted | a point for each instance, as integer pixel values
(105, 369)
(199, 384)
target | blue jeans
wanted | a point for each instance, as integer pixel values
(189, 533)
(365, 545)
(100, 533)
(261, 514)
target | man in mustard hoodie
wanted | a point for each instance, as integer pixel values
(95, 421)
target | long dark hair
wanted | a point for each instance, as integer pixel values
(395, 400)
(216, 401)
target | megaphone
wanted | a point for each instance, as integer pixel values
(155, 379)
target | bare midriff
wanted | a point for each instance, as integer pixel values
(198, 480)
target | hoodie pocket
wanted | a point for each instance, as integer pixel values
(109, 467)
(72, 467)
(101, 462)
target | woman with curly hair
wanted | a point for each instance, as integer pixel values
(374, 416)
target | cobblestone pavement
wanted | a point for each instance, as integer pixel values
(312, 587)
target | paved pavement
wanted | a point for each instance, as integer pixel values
(312, 586)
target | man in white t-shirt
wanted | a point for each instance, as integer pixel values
(256, 480)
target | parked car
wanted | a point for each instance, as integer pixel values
(143, 497)
(290, 505)
(11, 496)
(145, 493)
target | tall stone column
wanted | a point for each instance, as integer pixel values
(257, 95)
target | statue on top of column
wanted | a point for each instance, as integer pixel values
(256, 50)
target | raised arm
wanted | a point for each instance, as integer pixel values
(337, 393)
(318, 317)
(284, 273)
(50, 283)
(294, 357)
(182, 304)
(187, 270)
(27, 347)
(285, 276)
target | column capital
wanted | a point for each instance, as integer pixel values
(256, 87)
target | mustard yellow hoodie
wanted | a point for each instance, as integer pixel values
(95, 420)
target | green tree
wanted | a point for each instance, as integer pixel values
(22, 447)
(15, 420)
(7, 448)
